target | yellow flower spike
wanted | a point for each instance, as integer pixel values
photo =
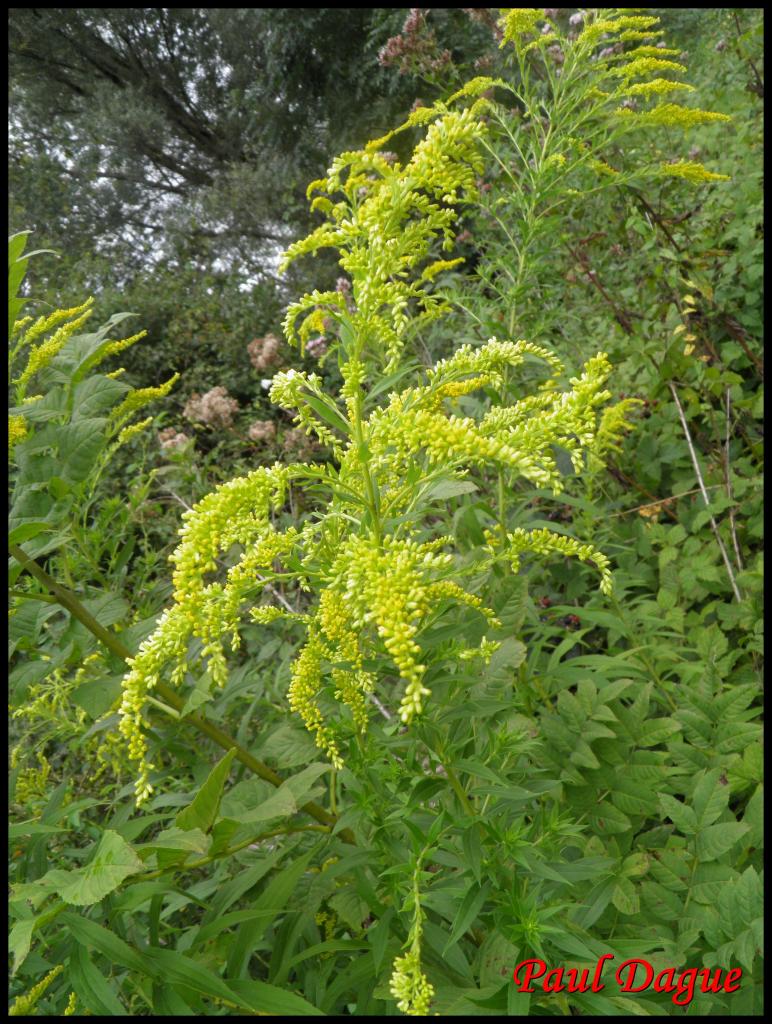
(141, 397)
(671, 115)
(17, 431)
(693, 172)
(41, 355)
(24, 1005)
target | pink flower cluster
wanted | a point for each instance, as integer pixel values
(170, 439)
(216, 408)
(316, 347)
(262, 430)
(264, 352)
(415, 50)
(299, 444)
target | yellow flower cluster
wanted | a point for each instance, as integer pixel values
(135, 428)
(410, 986)
(17, 431)
(42, 354)
(138, 398)
(614, 424)
(508, 436)
(24, 1006)
(516, 21)
(371, 559)
(640, 25)
(291, 389)
(656, 87)
(238, 512)
(645, 66)
(691, 171)
(545, 542)
(671, 115)
(384, 218)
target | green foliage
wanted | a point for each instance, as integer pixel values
(517, 761)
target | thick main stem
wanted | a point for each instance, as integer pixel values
(69, 601)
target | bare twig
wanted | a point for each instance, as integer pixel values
(386, 714)
(621, 316)
(758, 86)
(278, 595)
(704, 491)
(180, 500)
(662, 501)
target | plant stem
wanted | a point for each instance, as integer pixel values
(69, 601)
(703, 489)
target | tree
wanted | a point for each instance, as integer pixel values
(133, 129)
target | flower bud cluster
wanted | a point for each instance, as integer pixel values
(545, 542)
(383, 218)
(410, 987)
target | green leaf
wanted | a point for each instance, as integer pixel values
(716, 840)
(682, 816)
(470, 907)
(607, 819)
(20, 940)
(276, 898)
(289, 746)
(443, 489)
(31, 828)
(202, 812)
(266, 999)
(184, 840)
(79, 446)
(625, 898)
(113, 861)
(328, 413)
(656, 731)
(710, 798)
(91, 988)
(176, 969)
(94, 936)
(97, 696)
(96, 395)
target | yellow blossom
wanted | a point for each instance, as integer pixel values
(694, 172)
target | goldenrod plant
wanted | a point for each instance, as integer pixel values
(376, 565)
(425, 778)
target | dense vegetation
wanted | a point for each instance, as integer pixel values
(458, 660)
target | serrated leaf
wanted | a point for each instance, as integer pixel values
(656, 731)
(625, 898)
(113, 861)
(79, 446)
(607, 819)
(192, 840)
